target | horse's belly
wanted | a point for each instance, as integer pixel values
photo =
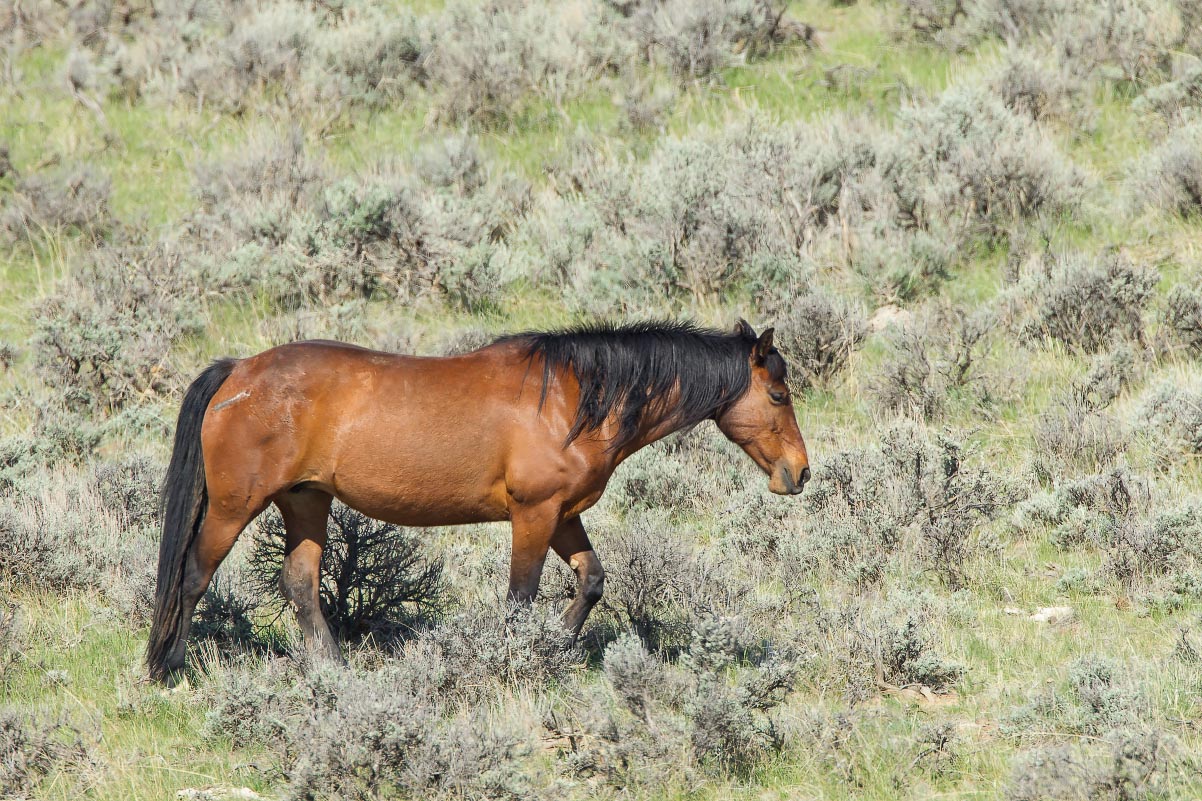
(405, 511)
(420, 493)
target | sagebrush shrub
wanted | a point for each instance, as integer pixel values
(374, 738)
(862, 503)
(1182, 316)
(42, 205)
(352, 733)
(255, 703)
(727, 724)
(635, 675)
(968, 155)
(1105, 700)
(1109, 374)
(703, 215)
(59, 535)
(731, 727)
(1169, 178)
(697, 39)
(104, 339)
(1126, 41)
(930, 18)
(619, 748)
(1165, 543)
(700, 217)
(129, 487)
(481, 646)
(657, 584)
(1086, 510)
(1076, 431)
(30, 749)
(1034, 86)
(869, 645)
(374, 59)
(1173, 416)
(1091, 303)
(284, 225)
(54, 438)
(375, 579)
(484, 60)
(1128, 766)
(1130, 41)
(817, 333)
(1074, 434)
(1176, 99)
(1148, 540)
(935, 360)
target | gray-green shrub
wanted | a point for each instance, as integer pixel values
(936, 359)
(1091, 303)
(375, 580)
(968, 155)
(889, 639)
(59, 535)
(282, 225)
(1173, 416)
(47, 204)
(862, 504)
(1128, 766)
(1033, 85)
(1176, 99)
(817, 333)
(353, 733)
(31, 749)
(697, 39)
(1182, 316)
(483, 645)
(372, 737)
(1169, 178)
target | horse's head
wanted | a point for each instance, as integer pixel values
(762, 421)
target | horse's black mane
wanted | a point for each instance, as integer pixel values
(624, 371)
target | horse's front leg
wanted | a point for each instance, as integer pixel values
(533, 528)
(572, 545)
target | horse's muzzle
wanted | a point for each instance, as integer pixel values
(784, 483)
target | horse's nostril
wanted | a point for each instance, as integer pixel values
(805, 475)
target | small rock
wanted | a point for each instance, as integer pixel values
(1053, 614)
(886, 316)
(1014, 610)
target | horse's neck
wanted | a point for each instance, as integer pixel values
(652, 429)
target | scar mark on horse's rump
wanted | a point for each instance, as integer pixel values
(243, 395)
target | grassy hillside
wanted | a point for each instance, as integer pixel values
(975, 226)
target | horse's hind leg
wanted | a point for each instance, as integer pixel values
(306, 514)
(213, 542)
(573, 546)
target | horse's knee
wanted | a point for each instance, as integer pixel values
(592, 583)
(296, 585)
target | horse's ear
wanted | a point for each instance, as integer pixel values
(744, 329)
(763, 346)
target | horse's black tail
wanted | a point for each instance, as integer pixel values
(182, 506)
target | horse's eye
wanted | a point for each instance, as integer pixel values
(779, 398)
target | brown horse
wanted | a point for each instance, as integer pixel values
(528, 429)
